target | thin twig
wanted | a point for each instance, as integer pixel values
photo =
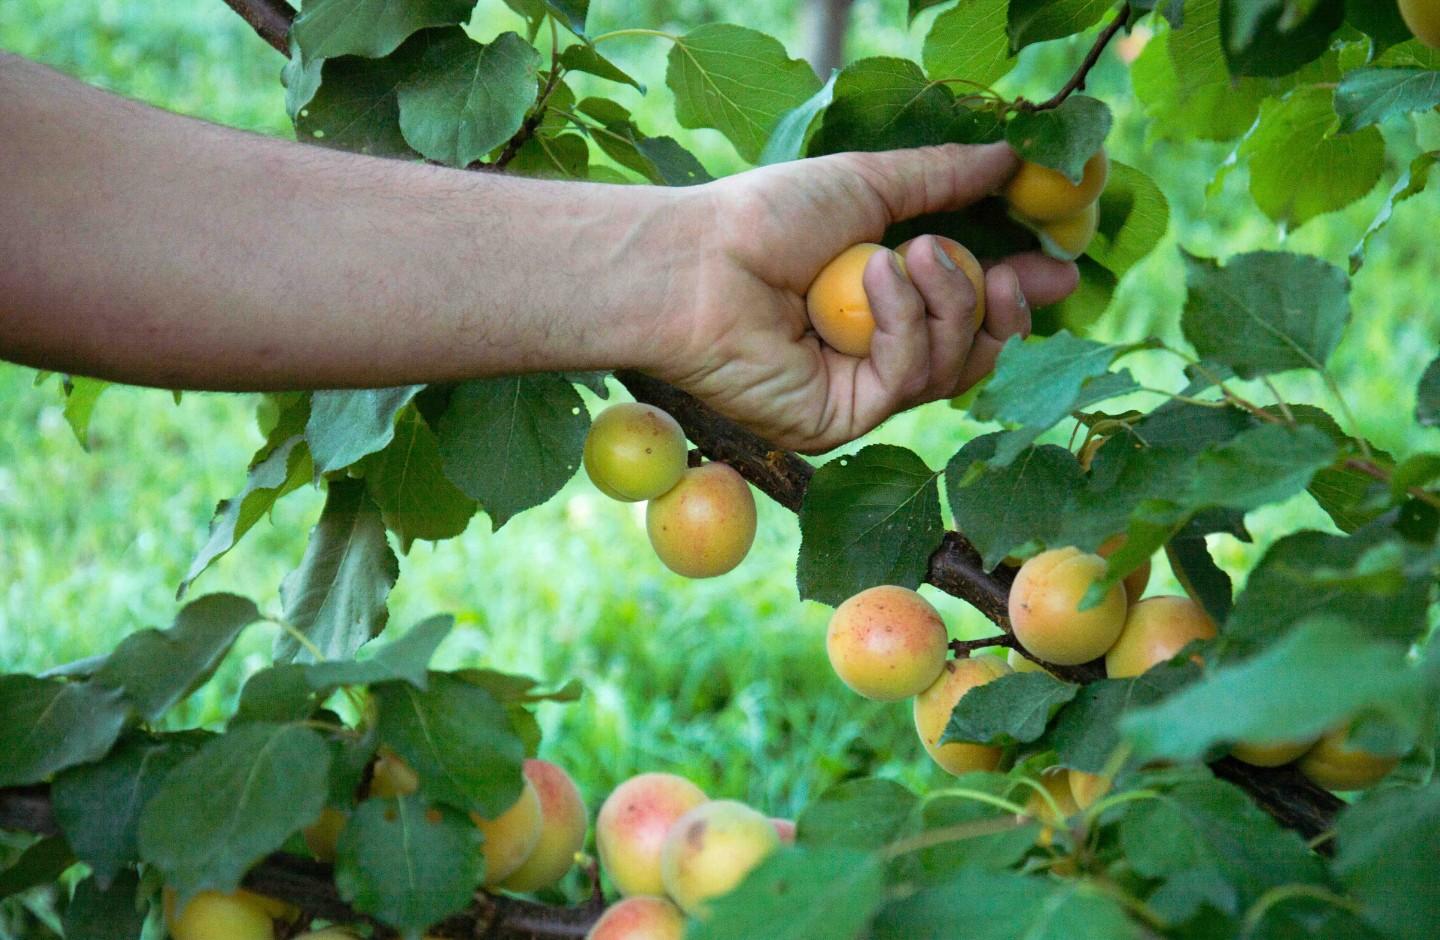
(1082, 74)
(270, 19)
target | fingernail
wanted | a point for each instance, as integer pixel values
(897, 264)
(1019, 293)
(943, 256)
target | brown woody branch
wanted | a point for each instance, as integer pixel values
(1082, 74)
(270, 19)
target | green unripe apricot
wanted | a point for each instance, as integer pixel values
(634, 452)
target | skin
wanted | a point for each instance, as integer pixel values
(216, 259)
(563, 825)
(631, 825)
(1136, 581)
(1068, 238)
(322, 836)
(1334, 765)
(1275, 754)
(634, 452)
(932, 710)
(963, 259)
(639, 918)
(1044, 608)
(211, 915)
(1423, 18)
(1155, 630)
(1085, 788)
(511, 836)
(1041, 194)
(704, 526)
(887, 643)
(785, 829)
(710, 850)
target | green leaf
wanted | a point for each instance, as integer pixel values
(571, 13)
(1381, 21)
(337, 597)
(97, 912)
(466, 98)
(233, 802)
(1270, 38)
(407, 481)
(792, 132)
(1413, 180)
(1386, 858)
(1369, 96)
(737, 81)
(356, 105)
(1086, 732)
(857, 815)
(659, 159)
(51, 725)
(1134, 217)
(408, 864)
(969, 41)
(459, 740)
(158, 668)
(887, 103)
(1079, 311)
(1013, 708)
(1038, 20)
(347, 425)
(825, 893)
(584, 58)
(870, 518)
(42, 863)
(996, 850)
(1003, 906)
(1062, 138)
(1427, 404)
(1314, 678)
(513, 442)
(278, 694)
(1195, 569)
(372, 28)
(1266, 311)
(1264, 465)
(1298, 170)
(406, 659)
(81, 395)
(1004, 508)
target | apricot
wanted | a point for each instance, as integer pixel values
(705, 525)
(1086, 788)
(563, 823)
(322, 835)
(631, 827)
(1155, 630)
(1019, 662)
(1423, 18)
(511, 836)
(785, 829)
(391, 776)
(711, 849)
(886, 643)
(1068, 238)
(1270, 754)
(1136, 581)
(634, 452)
(965, 261)
(838, 306)
(933, 707)
(329, 933)
(211, 915)
(1045, 195)
(1333, 764)
(1045, 610)
(1056, 781)
(639, 918)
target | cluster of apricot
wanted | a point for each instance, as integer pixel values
(528, 847)
(701, 520)
(669, 849)
(1064, 215)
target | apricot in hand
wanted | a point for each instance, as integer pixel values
(1045, 608)
(838, 306)
(1333, 764)
(563, 822)
(1067, 239)
(634, 452)
(1155, 630)
(968, 264)
(933, 707)
(1423, 18)
(1045, 195)
(886, 643)
(711, 849)
(639, 918)
(511, 836)
(703, 527)
(632, 824)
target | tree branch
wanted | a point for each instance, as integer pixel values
(1082, 74)
(270, 19)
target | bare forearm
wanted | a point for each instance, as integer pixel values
(149, 248)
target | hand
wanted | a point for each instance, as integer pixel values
(745, 346)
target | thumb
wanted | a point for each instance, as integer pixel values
(935, 179)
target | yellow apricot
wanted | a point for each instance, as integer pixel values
(1045, 195)
(329, 933)
(1423, 18)
(1045, 610)
(1019, 662)
(932, 713)
(1056, 781)
(838, 306)
(785, 829)
(1334, 765)
(634, 452)
(965, 261)
(639, 918)
(1271, 753)
(711, 849)
(563, 823)
(1067, 238)
(1155, 630)
(631, 827)
(1136, 581)
(392, 776)
(322, 835)
(211, 915)
(886, 643)
(511, 836)
(1086, 788)
(705, 525)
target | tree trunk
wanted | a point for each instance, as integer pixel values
(825, 32)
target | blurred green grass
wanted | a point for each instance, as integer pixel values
(724, 681)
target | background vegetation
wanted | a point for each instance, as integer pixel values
(725, 681)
